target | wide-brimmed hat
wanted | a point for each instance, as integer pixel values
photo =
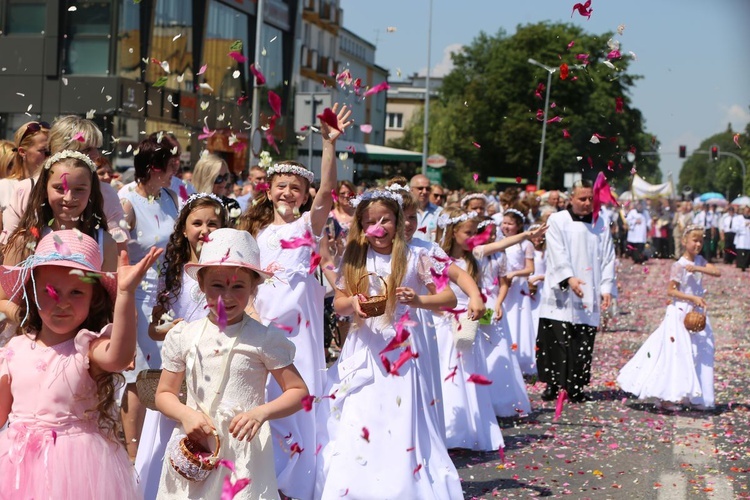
(66, 248)
(231, 248)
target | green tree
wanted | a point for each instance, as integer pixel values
(724, 175)
(485, 120)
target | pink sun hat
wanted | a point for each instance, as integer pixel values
(67, 248)
(231, 248)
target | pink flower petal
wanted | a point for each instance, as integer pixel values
(202, 70)
(275, 102)
(221, 314)
(259, 78)
(237, 56)
(52, 292)
(329, 117)
(79, 137)
(303, 241)
(377, 88)
(365, 128)
(479, 379)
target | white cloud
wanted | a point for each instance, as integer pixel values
(737, 115)
(445, 65)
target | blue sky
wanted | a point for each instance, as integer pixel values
(693, 54)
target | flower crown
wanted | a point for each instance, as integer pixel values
(516, 212)
(445, 221)
(287, 168)
(694, 227)
(397, 187)
(69, 153)
(473, 196)
(485, 223)
(376, 194)
(196, 196)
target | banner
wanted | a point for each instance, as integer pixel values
(642, 189)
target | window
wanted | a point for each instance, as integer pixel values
(172, 39)
(129, 41)
(395, 121)
(87, 44)
(26, 18)
(225, 25)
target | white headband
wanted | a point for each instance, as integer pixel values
(474, 196)
(694, 227)
(516, 212)
(69, 153)
(485, 223)
(196, 196)
(286, 168)
(397, 187)
(377, 194)
(445, 221)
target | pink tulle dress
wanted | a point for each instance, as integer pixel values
(53, 447)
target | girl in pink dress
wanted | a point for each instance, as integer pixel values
(57, 379)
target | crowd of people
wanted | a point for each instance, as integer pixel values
(181, 335)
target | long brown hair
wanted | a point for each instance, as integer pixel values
(39, 213)
(177, 253)
(446, 237)
(354, 261)
(107, 383)
(259, 213)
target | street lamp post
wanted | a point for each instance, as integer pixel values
(550, 70)
(426, 138)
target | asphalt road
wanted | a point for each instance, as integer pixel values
(618, 447)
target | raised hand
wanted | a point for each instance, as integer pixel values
(331, 131)
(129, 277)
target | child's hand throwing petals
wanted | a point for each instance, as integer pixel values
(247, 424)
(129, 277)
(407, 296)
(355, 304)
(197, 425)
(342, 115)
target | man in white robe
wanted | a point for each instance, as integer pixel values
(578, 285)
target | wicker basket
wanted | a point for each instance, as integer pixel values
(190, 459)
(373, 306)
(146, 384)
(695, 322)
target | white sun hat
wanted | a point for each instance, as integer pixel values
(231, 248)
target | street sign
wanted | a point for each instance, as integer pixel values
(437, 161)
(435, 175)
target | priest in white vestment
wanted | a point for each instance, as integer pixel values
(578, 285)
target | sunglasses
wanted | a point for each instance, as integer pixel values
(438, 195)
(221, 179)
(32, 128)
(423, 188)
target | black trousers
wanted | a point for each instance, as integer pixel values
(729, 245)
(563, 355)
(743, 259)
(637, 252)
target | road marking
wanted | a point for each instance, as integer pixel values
(673, 486)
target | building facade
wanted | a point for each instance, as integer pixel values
(135, 68)
(405, 99)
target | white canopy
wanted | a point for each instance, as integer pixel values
(642, 189)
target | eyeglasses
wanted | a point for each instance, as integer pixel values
(438, 195)
(221, 179)
(32, 128)
(422, 188)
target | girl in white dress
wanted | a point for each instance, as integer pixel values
(288, 225)
(469, 416)
(675, 366)
(508, 388)
(226, 359)
(517, 304)
(379, 441)
(179, 299)
(537, 277)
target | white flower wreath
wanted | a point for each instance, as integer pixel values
(377, 194)
(516, 212)
(445, 221)
(69, 153)
(286, 168)
(473, 196)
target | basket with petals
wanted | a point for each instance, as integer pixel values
(373, 305)
(190, 459)
(695, 321)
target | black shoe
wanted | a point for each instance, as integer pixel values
(550, 393)
(580, 397)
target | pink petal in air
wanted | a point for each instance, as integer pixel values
(315, 259)
(52, 292)
(440, 280)
(307, 402)
(377, 88)
(479, 379)
(303, 241)
(275, 102)
(237, 56)
(561, 397)
(365, 128)
(64, 181)
(79, 137)
(259, 78)
(329, 118)
(202, 70)
(61, 247)
(478, 239)
(229, 489)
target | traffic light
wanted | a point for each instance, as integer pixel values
(714, 152)
(683, 151)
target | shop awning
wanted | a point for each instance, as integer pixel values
(371, 153)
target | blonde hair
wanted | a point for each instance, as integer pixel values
(447, 239)
(205, 171)
(65, 130)
(6, 157)
(354, 261)
(16, 168)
